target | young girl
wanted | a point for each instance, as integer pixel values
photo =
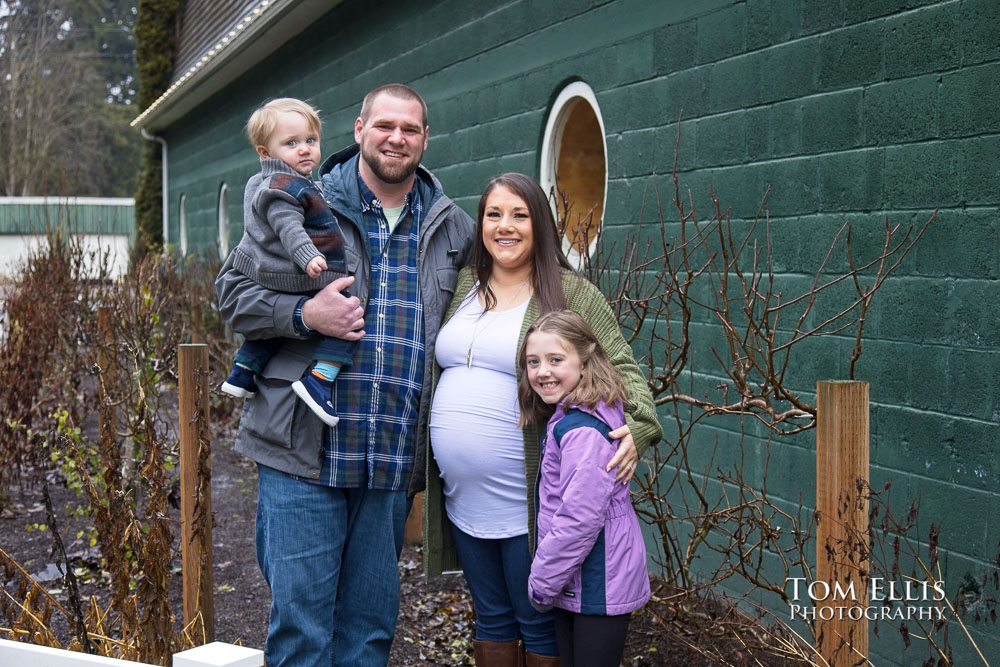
(590, 562)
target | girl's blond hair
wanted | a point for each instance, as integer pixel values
(265, 118)
(600, 380)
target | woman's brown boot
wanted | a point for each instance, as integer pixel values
(498, 654)
(536, 660)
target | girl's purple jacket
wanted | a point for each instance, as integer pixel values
(590, 557)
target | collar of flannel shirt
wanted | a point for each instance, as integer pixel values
(369, 202)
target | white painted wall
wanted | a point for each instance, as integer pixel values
(14, 249)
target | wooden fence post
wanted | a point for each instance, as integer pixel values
(196, 476)
(842, 476)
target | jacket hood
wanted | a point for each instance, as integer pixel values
(338, 158)
(612, 415)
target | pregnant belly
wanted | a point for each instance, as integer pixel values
(474, 433)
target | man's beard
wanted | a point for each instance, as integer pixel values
(392, 173)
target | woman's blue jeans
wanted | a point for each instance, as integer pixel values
(330, 557)
(497, 574)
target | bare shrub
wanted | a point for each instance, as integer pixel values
(48, 314)
(727, 339)
(124, 335)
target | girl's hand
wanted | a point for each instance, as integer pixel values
(626, 457)
(315, 266)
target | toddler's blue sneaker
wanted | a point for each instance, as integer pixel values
(240, 383)
(315, 393)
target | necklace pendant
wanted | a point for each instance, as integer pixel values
(468, 358)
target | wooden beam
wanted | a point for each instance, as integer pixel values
(842, 477)
(196, 476)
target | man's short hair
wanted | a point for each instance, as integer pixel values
(396, 90)
(265, 118)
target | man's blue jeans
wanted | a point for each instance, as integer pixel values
(497, 573)
(330, 557)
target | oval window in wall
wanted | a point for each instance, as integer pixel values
(574, 167)
(183, 225)
(223, 221)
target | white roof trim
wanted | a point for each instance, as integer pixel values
(255, 35)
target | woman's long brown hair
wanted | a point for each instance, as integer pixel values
(547, 257)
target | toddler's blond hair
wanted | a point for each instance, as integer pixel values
(265, 118)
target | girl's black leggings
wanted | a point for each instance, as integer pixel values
(590, 641)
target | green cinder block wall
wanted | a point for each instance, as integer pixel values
(846, 110)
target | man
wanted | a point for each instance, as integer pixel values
(332, 502)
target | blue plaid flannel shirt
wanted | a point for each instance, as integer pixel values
(377, 399)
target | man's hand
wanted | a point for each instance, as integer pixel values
(626, 457)
(316, 266)
(333, 314)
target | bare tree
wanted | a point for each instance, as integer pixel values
(48, 103)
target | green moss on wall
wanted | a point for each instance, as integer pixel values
(156, 41)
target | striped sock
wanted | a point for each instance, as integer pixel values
(325, 371)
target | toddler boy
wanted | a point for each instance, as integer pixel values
(291, 243)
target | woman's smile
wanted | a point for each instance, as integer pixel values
(507, 231)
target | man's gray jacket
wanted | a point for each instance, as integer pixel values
(277, 429)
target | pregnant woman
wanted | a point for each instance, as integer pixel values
(481, 474)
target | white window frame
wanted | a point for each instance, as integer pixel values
(183, 225)
(223, 221)
(572, 94)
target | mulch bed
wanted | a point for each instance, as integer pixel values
(436, 619)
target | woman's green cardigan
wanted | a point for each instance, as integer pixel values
(589, 303)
